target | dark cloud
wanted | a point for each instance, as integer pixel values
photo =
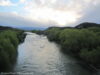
(91, 14)
(10, 19)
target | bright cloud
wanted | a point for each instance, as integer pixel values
(60, 12)
(5, 3)
(55, 12)
(22, 1)
(46, 14)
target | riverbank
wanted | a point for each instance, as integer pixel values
(9, 41)
(82, 42)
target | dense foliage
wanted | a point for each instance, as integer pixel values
(9, 40)
(84, 42)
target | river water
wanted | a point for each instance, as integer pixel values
(38, 56)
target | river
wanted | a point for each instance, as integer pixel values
(38, 56)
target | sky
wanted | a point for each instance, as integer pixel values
(47, 13)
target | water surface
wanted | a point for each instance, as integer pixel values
(38, 56)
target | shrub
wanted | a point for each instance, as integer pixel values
(8, 48)
(84, 43)
(91, 56)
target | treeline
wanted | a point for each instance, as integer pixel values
(83, 41)
(9, 40)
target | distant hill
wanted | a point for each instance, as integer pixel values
(30, 28)
(21, 28)
(87, 25)
(4, 28)
(82, 25)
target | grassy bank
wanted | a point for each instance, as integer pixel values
(82, 41)
(9, 40)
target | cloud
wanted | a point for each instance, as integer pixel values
(46, 15)
(61, 12)
(22, 1)
(91, 14)
(15, 20)
(5, 3)
(52, 12)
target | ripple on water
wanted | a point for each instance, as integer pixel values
(38, 56)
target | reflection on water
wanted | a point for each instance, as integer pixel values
(38, 56)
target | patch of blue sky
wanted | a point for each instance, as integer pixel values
(17, 8)
(14, 1)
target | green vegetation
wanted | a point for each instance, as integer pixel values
(83, 43)
(38, 32)
(9, 40)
